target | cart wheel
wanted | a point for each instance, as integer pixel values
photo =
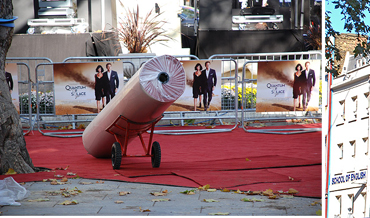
(156, 152)
(116, 155)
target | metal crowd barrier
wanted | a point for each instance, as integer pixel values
(26, 115)
(264, 57)
(181, 115)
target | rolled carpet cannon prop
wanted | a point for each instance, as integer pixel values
(135, 109)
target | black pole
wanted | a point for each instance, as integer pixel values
(89, 15)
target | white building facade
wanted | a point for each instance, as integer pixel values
(349, 145)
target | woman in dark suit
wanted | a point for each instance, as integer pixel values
(299, 85)
(197, 83)
(101, 82)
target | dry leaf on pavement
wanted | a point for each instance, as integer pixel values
(123, 193)
(161, 199)
(67, 202)
(118, 202)
(219, 213)
(144, 210)
(292, 191)
(85, 183)
(210, 200)
(39, 200)
(204, 188)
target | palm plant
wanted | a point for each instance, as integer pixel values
(137, 33)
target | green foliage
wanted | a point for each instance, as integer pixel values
(353, 13)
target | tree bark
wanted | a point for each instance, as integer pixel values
(13, 152)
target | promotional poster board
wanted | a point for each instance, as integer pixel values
(74, 85)
(186, 101)
(12, 69)
(275, 82)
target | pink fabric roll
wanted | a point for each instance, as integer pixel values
(153, 88)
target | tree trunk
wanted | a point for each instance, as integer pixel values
(13, 152)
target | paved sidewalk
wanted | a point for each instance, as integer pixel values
(101, 197)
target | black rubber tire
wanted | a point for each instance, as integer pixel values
(156, 152)
(116, 155)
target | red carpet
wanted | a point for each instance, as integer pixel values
(234, 160)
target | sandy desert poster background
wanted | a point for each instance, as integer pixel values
(275, 86)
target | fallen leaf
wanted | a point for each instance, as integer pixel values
(211, 190)
(319, 213)
(238, 192)
(65, 179)
(210, 200)
(71, 174)
(225, 190)
(158, 193)
(58, 176)
(39, 200)
(10, 172)
(292, 191)
(291, 178)
(73, 202)
(45, 180)
(76, 177)
(188, 192)
(118, 202)
(273, 197)
(287, 196)
(315, 203)
(251, 200)
(160, 200)
(66, 194)
(54, 182)
(247, 159)
(100, 182)
(144, 210)
(204, 188)
(268, 192)
(210, 127)
(123, 193)
(85, 183)
(53, 193)
(219, 213)
(22, 183)
(256, 192)
(165, 191)
(116, 175)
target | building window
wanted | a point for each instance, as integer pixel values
(367, 96)
(339, 203)
(343, 106)
(366, 142)
(340, 146)
(350, 197)
(353, 145)
(355, 106)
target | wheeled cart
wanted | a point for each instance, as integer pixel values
(123, 129)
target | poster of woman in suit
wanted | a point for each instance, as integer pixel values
(277, 87)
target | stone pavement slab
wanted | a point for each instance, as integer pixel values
(99, 197)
